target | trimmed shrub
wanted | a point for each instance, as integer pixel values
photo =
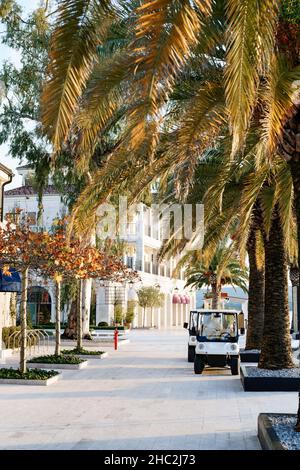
(84, 352)
(53, 359)
(34, 374)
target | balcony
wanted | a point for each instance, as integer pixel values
(127, 230)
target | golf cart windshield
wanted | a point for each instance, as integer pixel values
(193, 321)
(218, 326)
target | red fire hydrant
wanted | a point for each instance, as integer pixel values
(116, 338)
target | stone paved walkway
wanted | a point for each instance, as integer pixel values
(144, 396)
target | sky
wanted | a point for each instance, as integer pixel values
(10, 55)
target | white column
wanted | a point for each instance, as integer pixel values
(186, 312)
(159, 318)
(182, 306)
(165, 311)
(103, 310)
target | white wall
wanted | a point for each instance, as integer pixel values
(53, 207)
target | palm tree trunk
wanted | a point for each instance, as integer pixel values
(295, 172)
(23, 321)
(276, 345)
(215, 296)
(57, 317)
(256, 296)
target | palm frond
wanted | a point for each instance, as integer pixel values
(80, 27)
(166, 32)
(248, 21)
(278, 96)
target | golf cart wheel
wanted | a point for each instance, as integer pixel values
(199, 364)
(235, 365)
(191, 353)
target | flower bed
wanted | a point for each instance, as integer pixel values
(53, 359)
(31, 377)
(57, 362)
(82, 352)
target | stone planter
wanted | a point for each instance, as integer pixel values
(44, 383)
(272, 437)
(275, 383)
(87, 357)
(41, 365)
(249, 356)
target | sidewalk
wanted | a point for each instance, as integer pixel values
(144, 396)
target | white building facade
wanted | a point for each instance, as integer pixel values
(6, 312)
(142, 241)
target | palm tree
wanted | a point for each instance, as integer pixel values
(223, 268)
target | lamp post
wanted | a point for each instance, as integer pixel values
(294, 277)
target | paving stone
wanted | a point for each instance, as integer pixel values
(143, 396)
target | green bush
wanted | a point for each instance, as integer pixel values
(48, 326)
(6, 332)
(103, 323)
(9, 330)
(130, 311)
(82, 351)
(53, 359)
(34, 374)
(118, 314)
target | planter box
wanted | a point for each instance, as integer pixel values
(267, 436)
(249, 356)
(41, 365)
(45, 383)
(268, 384)
(87, 357)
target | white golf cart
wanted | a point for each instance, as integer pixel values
(192, 326)
(217, 339)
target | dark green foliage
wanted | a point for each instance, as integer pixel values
(130, 311)
(35, 374)
(52, 359)
(82, 351)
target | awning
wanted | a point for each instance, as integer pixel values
(10, 283)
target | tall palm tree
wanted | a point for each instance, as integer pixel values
(223, 268)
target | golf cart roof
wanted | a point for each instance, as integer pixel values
(209, 311)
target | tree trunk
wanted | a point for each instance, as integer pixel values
(215, 296)
(256, 296)
(276, 350)
(70, 331)
(57, 317)
(295, 171)
(79, 316)
(86, 305)
(23, 321)
(144, 314)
